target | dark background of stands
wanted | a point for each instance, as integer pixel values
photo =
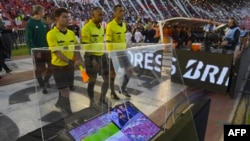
(18, 11)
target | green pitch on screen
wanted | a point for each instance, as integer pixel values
(103, 133)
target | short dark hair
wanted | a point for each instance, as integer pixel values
(96, 9)
(235, 22)
(117, 6)
(58, 11)
(50, 17)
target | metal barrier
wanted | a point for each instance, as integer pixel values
(19, 38)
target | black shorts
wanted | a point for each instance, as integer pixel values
(63, 75)
(102, 61)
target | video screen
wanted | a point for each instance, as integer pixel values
(124, 122)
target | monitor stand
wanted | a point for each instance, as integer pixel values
(191, 126)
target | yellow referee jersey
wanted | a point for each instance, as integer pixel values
(61, 41)
(116, 36)
(92, 37)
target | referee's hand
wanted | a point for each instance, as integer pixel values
(79, 62)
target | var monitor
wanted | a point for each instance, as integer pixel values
(124, 122)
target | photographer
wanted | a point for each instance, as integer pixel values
(149, 33)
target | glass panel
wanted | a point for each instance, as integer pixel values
(19, 112)
(68, 104)
(149, 68)
(147, 104)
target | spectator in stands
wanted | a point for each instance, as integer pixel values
(75, 28)
(138, 36)
(231, 38)
(35, 35)
(149, 33)
(191, 37)
(176, 37)
(50, 21)
(205, 8)
(157, 31)
(61, 60)
(129, 38)
(209, 34)
(183, 37)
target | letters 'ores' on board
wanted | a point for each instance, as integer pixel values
(236, 132)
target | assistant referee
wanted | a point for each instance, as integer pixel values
(60, 38)
(116, 40)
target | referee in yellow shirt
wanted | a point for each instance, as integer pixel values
(116, 40)
(95, 60)
(63, 62)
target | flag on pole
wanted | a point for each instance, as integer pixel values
(85, 77)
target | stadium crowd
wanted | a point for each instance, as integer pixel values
(16, 12)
